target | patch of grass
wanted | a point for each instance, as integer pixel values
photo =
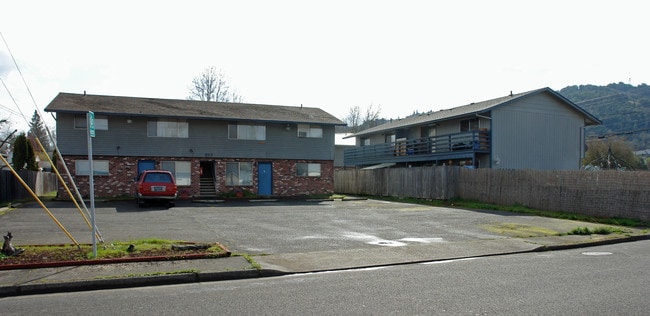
(517, 208)
(520, 230)
(250, 260)
(596, 231)
(141, 248)
(119, 249)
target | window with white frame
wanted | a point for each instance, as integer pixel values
(246, 131)
(365, 141)
(167, 128)
(239, 173)
(310, 131)
(82, 167)
(308, 169)
(101, 122)
(182, 171)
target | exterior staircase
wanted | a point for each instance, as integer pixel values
(207, 188)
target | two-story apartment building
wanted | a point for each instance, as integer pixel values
(538, 129)
(210, 147)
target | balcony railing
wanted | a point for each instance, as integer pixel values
(443, 147)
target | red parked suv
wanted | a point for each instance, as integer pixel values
(156, 185)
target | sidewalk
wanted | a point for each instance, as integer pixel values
(121, 275)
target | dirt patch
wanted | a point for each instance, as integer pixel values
(34, 256)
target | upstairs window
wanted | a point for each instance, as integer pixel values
(167, 128)
(469, 125)
(101, 122)
(310, 131)
(246, 131)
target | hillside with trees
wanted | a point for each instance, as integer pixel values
(623, 109)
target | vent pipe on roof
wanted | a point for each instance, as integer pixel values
(84, 93)
(510, 92)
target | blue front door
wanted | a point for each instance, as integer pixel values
(145, 165)
(264, 179)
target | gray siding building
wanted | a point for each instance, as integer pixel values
(538, 129)
(213, 148)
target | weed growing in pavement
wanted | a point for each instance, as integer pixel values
(596, 231)
(250, 260)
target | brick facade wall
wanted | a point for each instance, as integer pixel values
(122, 171)
(285, 181)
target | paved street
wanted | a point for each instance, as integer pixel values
(604, 280)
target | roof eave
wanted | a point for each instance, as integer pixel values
(205, 118)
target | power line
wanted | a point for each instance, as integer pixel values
(11, 111)
(620, 133)
(38, 112)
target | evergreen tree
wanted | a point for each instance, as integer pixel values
(23, 157)
(37, 129)
(55, 159)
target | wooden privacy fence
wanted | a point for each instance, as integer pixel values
(598, 193)
(40, 182)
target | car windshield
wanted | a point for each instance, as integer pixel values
(157, 177)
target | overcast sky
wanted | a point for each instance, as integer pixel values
(403, 56)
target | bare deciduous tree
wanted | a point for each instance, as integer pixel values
(358, 121)
(211, 85)
(354, 119)
(371, 116)
(5, 134)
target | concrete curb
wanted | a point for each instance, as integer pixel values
(595, 243)
(128, 282)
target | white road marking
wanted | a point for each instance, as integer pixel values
(596, 253)
(423, 240)
(374, 240)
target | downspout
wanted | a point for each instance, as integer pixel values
(583, 147)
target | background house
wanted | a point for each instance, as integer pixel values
(211, 147)
(342, 141)
(7, 157)
(539, 129)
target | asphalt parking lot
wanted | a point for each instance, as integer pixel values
(281, 237)
(266, 227)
